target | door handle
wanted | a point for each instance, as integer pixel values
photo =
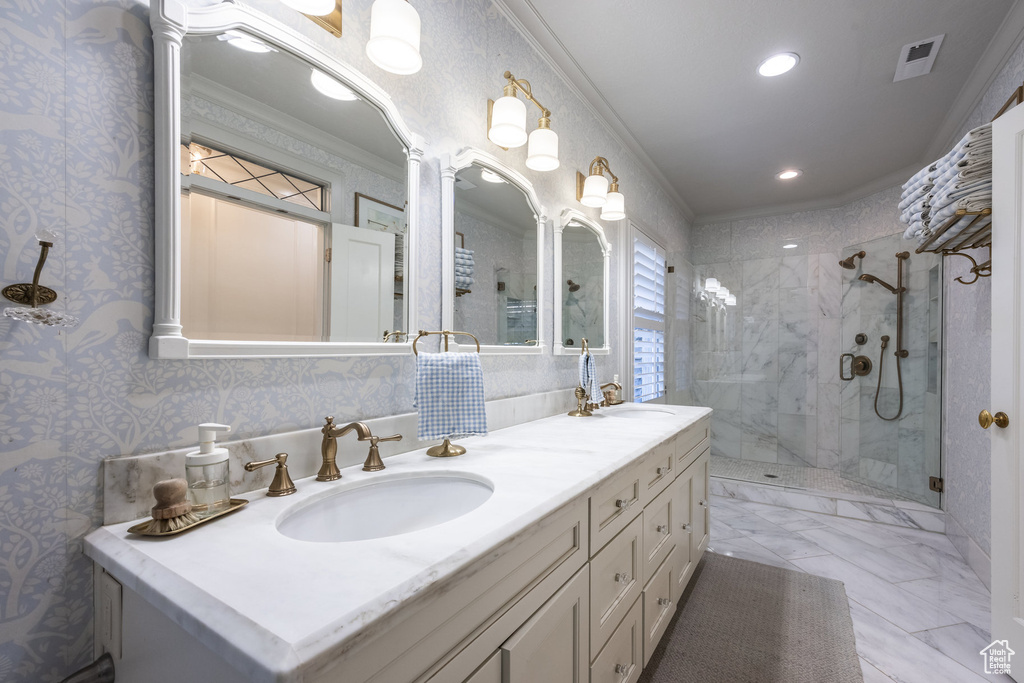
(987, 419)
(841, 375)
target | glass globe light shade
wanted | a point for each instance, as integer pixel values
(508, 122)
(712, 284)
(722, 292)
(614, 208)
(394, 43)
(730, 300)
(331, 87)
(595, 191)
(490, 176)
(542, 152)
(316, 8)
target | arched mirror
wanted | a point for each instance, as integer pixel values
(582, 256)
(493, 227)
(286, 194)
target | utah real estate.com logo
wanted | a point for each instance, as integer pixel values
(997, 657)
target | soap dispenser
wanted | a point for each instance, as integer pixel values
(206, 472)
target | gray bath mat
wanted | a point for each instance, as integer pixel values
(744, 622)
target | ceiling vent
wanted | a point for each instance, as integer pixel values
(916, 59)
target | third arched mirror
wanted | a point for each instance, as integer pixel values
(581, 297)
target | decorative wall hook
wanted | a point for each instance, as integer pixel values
(34, 295)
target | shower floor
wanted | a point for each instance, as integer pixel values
(794, 476)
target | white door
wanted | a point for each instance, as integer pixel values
(362, 283)
(1007, 391)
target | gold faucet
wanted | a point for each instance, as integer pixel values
(609, 395)
(329, 448)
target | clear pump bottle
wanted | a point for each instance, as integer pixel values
(206, 472)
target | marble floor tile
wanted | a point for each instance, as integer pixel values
(789, 545)
(753, 524)
(956, 597)
(720, 531)
(746, 549)
(900, 655)
(943, 564)
(962, 642)
(879, 562)
(871, 674)
(904, 609)
(782, 516)
(878, 535)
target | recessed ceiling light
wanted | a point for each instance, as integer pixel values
(244, 42)
(790, 246)
(490, 176)
(789, 174)
(779, 64)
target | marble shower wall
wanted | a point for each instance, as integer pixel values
(76, 155)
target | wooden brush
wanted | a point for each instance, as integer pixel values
(172, 511)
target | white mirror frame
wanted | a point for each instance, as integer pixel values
(573, 216)
(449, 167)
(171, 22)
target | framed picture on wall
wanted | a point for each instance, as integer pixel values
(374, 214)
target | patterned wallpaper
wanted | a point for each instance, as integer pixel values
(76, 155)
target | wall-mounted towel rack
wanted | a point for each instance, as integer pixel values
(978, 233)
(446, 333)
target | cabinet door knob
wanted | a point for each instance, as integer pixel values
(622, 669)
(661, 528)
(664, 602)
(621, 577)
(687, 528)
(987, 419)
(703, 503)
(661, 470)
(621, 503)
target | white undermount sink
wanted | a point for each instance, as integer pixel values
(639, 413)
(386, 506)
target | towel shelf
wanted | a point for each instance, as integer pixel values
(978, 233)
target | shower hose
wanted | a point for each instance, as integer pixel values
(899, 380)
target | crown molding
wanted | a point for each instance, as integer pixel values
(1002, 46)
(527, 21)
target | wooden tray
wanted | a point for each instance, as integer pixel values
(236, 504)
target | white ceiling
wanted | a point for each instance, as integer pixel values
(677, 80)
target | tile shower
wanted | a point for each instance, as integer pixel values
(769, 365)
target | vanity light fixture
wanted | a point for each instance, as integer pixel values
(506, 125)
(776, 65)
(712, 285)
(394, 43)
(730, 300)
(245, 42)
(594, 190)
(789, 174)
(722, 293)
(490, 176)
(331, 87)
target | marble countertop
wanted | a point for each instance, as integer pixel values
(278, 609)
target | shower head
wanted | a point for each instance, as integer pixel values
(848, 262)
(871, 278)
(573, 287)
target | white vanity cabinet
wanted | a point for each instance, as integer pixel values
(583, 592)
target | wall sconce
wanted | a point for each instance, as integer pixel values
(594, 190)
(394, 43)
(712, 284)
(506, 126)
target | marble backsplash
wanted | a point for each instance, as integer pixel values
(128, 481)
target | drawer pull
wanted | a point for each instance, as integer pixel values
(664, 602)
(703, 503)
(622, 669)
(661, 470)
(621, 503)
(621, 577)
(688, 528)
(661, 528)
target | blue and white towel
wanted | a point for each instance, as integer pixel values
(450, 396)
(588, 377)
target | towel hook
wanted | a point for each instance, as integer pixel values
(586, 347)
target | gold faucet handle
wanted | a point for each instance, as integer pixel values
(282, 485)
(373, 462)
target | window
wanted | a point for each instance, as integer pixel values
(648, 319)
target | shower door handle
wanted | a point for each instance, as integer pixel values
(987, 419)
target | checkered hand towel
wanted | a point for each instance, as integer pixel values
(450, 395)
(588, 377)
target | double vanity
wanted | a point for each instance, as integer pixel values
(553, 550)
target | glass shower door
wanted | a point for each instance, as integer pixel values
(890, 382)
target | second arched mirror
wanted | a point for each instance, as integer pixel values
(582, 256)
(493, 227)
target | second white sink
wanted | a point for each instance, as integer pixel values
(639, 413)
(386, 506)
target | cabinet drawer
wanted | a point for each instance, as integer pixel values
(660, 530)
(621, 661)
(659, 606)
(613, 505)
(616, 580)
(659, 469)
(690, 443)
(700, 506)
